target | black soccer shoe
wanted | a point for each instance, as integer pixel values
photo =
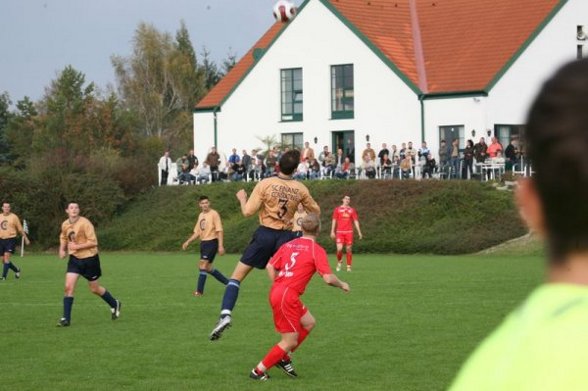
(63, 323)
(256, 376)
(286, 366)
(222, 324)
(116, 310)
(17, 274)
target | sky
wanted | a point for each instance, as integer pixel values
(39, 38)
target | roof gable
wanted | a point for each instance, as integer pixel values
(464, 45)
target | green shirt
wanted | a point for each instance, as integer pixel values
(542, 345)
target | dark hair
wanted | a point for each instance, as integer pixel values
(202, 198)
(289, 161)
(557, 137)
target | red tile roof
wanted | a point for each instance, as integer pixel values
(466, 44)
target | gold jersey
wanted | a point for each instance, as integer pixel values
(80, 232)
(9, 226)
(277, 199)
(297, 221)
(208, 225)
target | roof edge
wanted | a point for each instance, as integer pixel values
(453, 94)
(372, 47)
(525, 45)
(206, 109)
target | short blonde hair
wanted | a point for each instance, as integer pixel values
(311, 224)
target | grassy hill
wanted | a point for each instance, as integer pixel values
(430, 217)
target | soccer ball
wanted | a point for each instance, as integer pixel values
(284, 11)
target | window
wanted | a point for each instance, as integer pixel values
(292, 140)
(342, 103)
(507, 132)
(291, 85)
(450, 132)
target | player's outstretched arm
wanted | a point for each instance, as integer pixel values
(333, 280)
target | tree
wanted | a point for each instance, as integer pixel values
(211, 73)
(4, 115)
(161, 81)
(229, 62)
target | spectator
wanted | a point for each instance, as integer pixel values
(192, 160)
(183, 167)
(412, 152)
(350, 151)
(238, 173)
(369, 167)
(512, 154)
(302, 171)
(330, 165)
(406, 166)
(481, 151)
(234, 157)
(430, 166)
(393, 153)
(453, 154)
(314, 169)
(402, 152)
(204, 174)
(271, 161)
(340, 158)
(386, 167)
(468, 160)
(213, 161)
(383, 151)
(164, 166)
(344, 171)
(246, 160)
(368, 151)
(494, 147)
(423, 152)
(307, 153)
(443, 154)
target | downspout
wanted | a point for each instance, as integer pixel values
(419, 60)
(216, 109)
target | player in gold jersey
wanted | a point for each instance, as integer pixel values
(275, 199)
(297, 220)
(209, 228)
(9, 227)
(78, 239)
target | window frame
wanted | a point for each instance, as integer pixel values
(342, 91)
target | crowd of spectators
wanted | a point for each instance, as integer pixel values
(405, 162)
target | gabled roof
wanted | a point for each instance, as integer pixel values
(435, 46)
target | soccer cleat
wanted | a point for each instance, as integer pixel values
(287, 367)
(256, 376)
(348, 268)
(17, 274)
(116, 311)
(63, 323)
(338, 266)
(2, 278)
(222, 324)
(197, 294)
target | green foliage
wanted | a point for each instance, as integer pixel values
(437, 217)
(408, 323)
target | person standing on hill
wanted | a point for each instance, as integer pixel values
(291, 269)
(344, 218)
(78, 239)
(276, 198)
(10, 226)
(543, 344)
(209, 228)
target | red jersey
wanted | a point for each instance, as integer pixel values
(296, 262)
(344, 216)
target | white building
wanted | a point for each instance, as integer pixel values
(345, 72)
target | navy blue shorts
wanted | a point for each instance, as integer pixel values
(208, 249)
(7, 245)
(265, 242)
(89, 268)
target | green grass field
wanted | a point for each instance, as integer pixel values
(408, 324)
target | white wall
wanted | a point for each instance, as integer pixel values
(385, 108)
(511, 97)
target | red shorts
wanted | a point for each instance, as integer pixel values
(287, 309)
(344, 238)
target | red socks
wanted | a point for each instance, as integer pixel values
(273, 357)
(339, 256)
(349, 257)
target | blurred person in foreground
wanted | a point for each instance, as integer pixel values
(543, 344)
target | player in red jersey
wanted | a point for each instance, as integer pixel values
(291, 268)
(344, 217)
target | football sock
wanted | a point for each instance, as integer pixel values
(12, 267)
(219, 276)
(107, 297)
(271, 358)
(301, 337)
(349, 257)
(339, 256)
(5, 267)
(230, 297)
(67, 304)
(201, 280)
